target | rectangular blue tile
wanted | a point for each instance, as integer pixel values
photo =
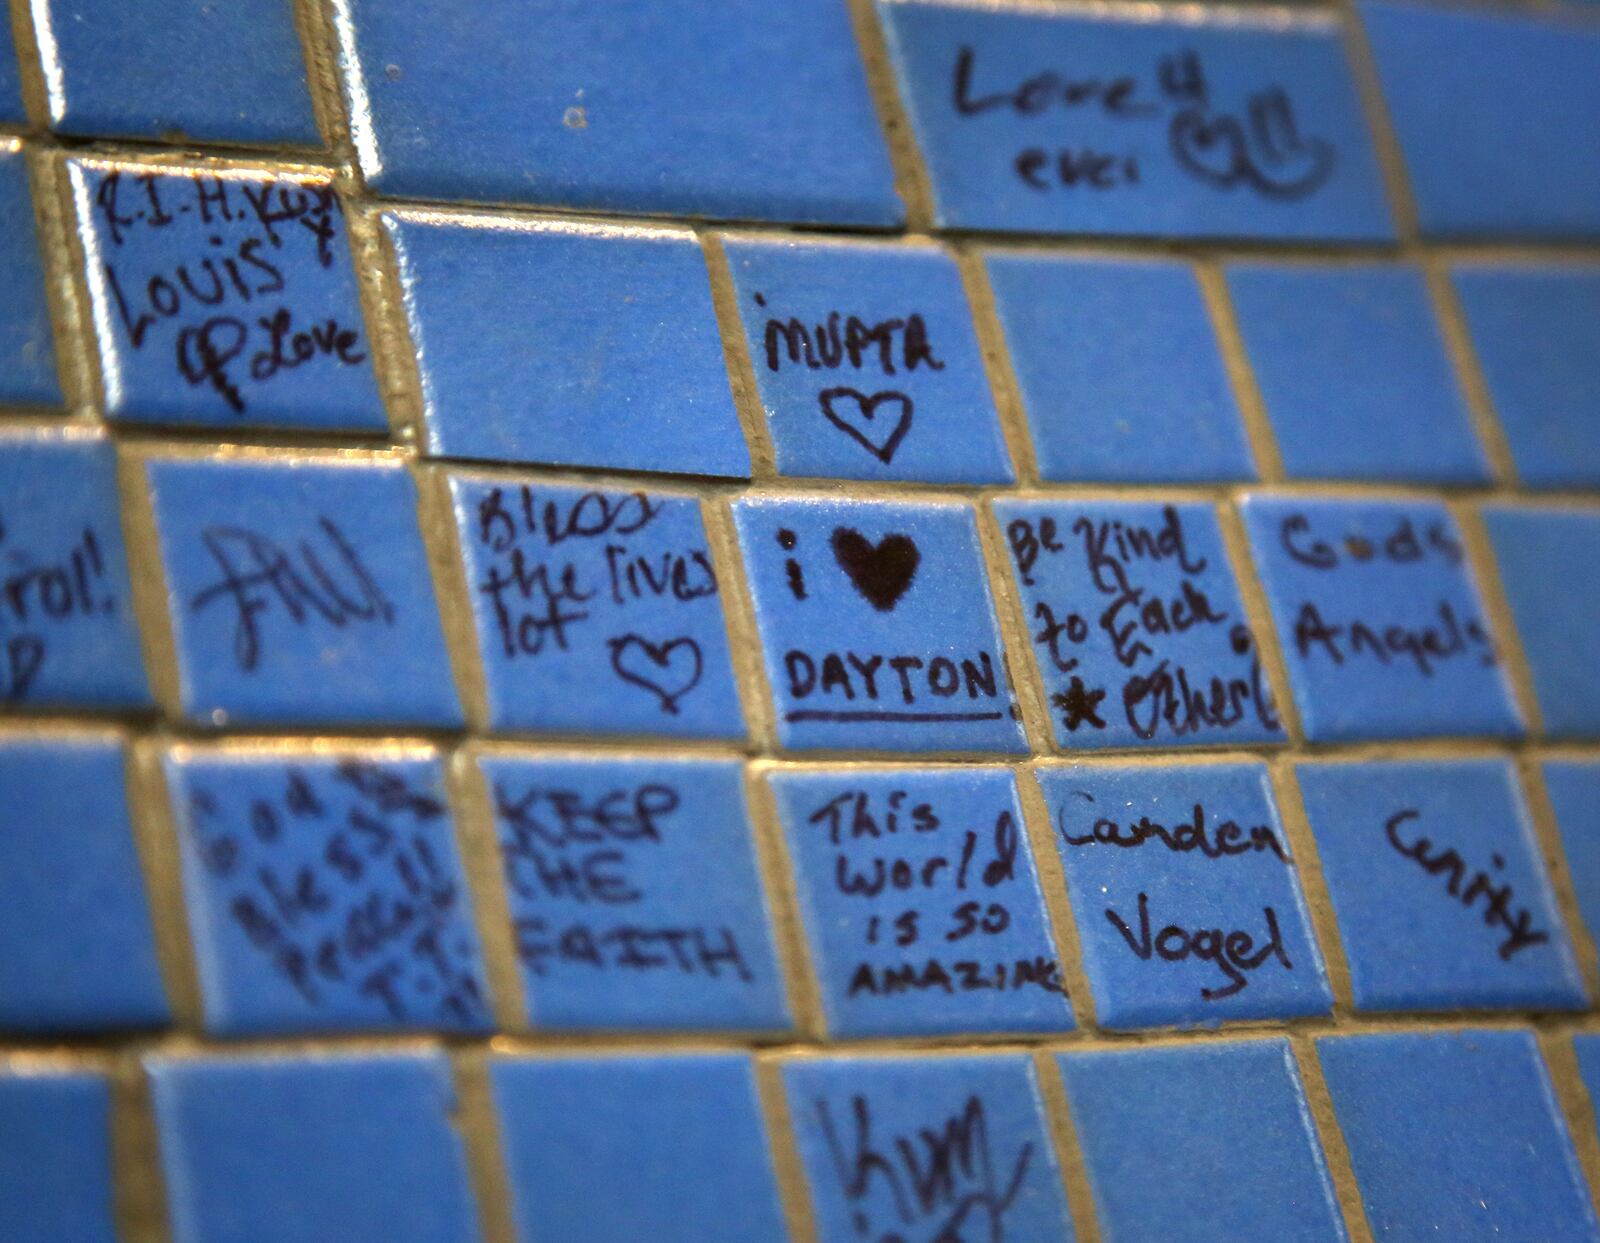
(55, 1156)
(27, 341)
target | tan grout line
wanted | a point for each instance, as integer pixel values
(1391, 161)
(155, 830)
(910, 177)
(139, 1187)
(1017, 652)
(1485, 573)
(1075, 1180)
(1241, 375)
(1447, 313)
(776, 864)
(477, 1122)
(1334, 1149)
(1576, 1106)
(453, 594)
(794, 1188)
(55, 217)
(1258, 615)
(1003, 386)
(1313, 884)
(1548, 835)
(744, 636)
(1040, 828)
(157, 640)
(736, 360)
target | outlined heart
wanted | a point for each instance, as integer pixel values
(855, 413)
(881, 573)
(669, 670)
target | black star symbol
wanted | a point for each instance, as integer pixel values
(1078, 704)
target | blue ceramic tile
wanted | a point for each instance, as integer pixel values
(574, 344)
(1456, 1135)
(1379, 619)
(1485, 152)
(1124, 122)
(1536, 334)
(621, 918)
(866, 361)
(55, 1157)
(176, 70)
(299, 592)
(11, 110)
(1161, 653)
(363, 1149)
(27, 342)
(1353, 371)
(324, 892)
(921, 902)
(1243, 1160)
(683, 1132)
(1574, 789)
(67, 630)
(596, 612)
(1440, 890)
(736, 111)
(877, 625)
(926, 1148)
(1188, 906)
(224, 298)
(76, 949)
(1119, 370)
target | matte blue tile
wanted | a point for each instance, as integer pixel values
(735, 111)
(921, 902)
(1440, 890)
(55, 1157)
(1119, 370)
(573, 344)
(1574, 789)
(1379, 619)
(1120, 121)
(1161, 653)
(877, 625)
(363, 1149)
(596, 612)
(1188, 905)
(1484, 153)
(27, 341)
(1353, 371)
(926, 1148)
(1587, 1048)
(76, 948)
(1456, 1135)
(324, 892)
(224, 298)
(570, 1126)
(866, 361)
(620, 917)
(67, 630)
(1197, 1144)
(11, 109)
(299, 592)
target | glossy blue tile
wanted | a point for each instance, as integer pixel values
(1121, 121)
(1456, 1135)
(1200, 1143)
(1161, 653)
(1440, 890)
(1353, 371)
(683, 1132)
(1379, 619)
(877, 625)
(224, 298)
(920, 901)
(55, 1157)
(1119, 370)
(1485, 152)
(76, 948)
(597, 612)
(27, 341)
(1188, 906)
(871, 1132)
(12, 111)
(866, 361)
(67, 630)
(363, 1149)
(635, 897)
(1574, 789)
(299, 592)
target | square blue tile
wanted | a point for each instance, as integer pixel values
(77, 953)
(877, 625)
(572, 344)
(363, 1149)
(1379, 619)
(619, 919)
(324, 891)
(1574, 789)
(1161, 653)
(866, 361)
(68, 636)
(1188, 905)
(1119, 370)
(921, 901)
(1225, 1130)
(1456, 1135)
(1123, 121)
(572, 1126)
(872, 1132)
(1353, 371)
(224, 298)
(27, 341)
(55, 1157)
(596, 612)
(299, 592)
(1440, 891)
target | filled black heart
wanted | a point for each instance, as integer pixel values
(856, 414)
(881, 573)
(669, 670)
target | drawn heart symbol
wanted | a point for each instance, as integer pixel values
(1212, 149)
(852, 411)
(669, 670)
(881, 574)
